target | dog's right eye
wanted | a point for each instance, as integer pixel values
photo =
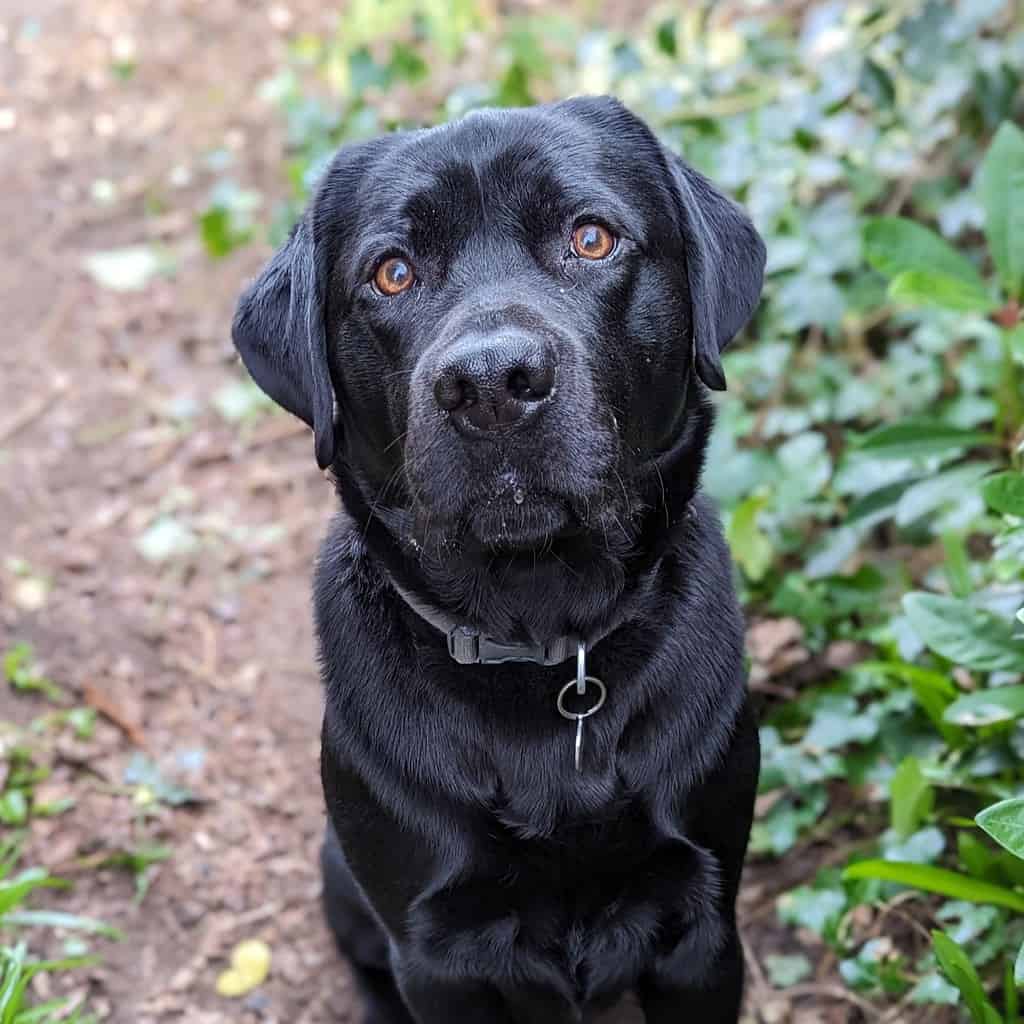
(393, 276)
(593, 242)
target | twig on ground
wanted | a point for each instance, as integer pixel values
(109, 709)
(760, 990)
(834, 992)
(30, 410)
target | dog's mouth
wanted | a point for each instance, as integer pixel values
(518, 520)
(530, 523)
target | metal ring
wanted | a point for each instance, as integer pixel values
(571, 715)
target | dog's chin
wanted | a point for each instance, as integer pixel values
(530, 524)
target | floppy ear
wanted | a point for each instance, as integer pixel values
(279, 333)
(724, 266)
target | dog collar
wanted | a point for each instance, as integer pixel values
(469, 646)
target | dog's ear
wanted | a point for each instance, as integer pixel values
(724, 267)
(279, 333)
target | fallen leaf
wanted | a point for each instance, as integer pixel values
(250, 965)
(165, 539)
(240, 400)
(776, 648)
(124, 270)
(110, 710)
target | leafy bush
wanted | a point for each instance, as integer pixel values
(868, 458)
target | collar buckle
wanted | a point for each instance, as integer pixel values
(469, 647)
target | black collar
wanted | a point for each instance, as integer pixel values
(468, 646)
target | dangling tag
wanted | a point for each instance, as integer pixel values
(581, 684)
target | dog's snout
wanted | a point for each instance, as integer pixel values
(493, 380)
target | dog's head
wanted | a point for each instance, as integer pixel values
(493, 326)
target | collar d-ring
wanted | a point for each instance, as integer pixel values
(574, 716)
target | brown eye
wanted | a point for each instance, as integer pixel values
(593, 242)
(393, 276)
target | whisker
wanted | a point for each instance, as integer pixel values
(391, 444)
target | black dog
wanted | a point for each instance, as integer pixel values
(501, 332)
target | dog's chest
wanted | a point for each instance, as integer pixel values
(581, 912)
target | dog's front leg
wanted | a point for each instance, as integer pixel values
(434, 1000)
(670, 995)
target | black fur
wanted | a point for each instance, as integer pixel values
(471, 874)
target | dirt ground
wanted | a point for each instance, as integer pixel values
(204, 661)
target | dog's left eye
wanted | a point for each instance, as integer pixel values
(593, 242)
(393, 276)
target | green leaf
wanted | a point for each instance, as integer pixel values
(919, 438)
(937, 880)
(836, 724)
(57, 919)
(932, 690)
(958, 563)
(958, 968)
(42, 1014)
(227, 222)
(912, 798)
(1004, 492)
(14, 892)
(933, 988)
(666, 38)
(939, 491)
(219, 234)
(20, 670)
(14, 980)
(1015, 341)
(750, 546)
(987, 707)
(976, 857)
(816, 909)
(13, 807)
(969, 636)
(1018, 974)
(923, 847)
(880, 502)
(1004, 822)
(931, 288)
(785, 971)
(895, 246)
(1000, 185)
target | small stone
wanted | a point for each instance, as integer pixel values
(280, 17)
(104, 125)
(775, 1011)
(78, 557)
(190, 912)
(30, 594)
(258, 1002)
(123, 49)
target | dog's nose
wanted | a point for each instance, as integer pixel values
(493, 380)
